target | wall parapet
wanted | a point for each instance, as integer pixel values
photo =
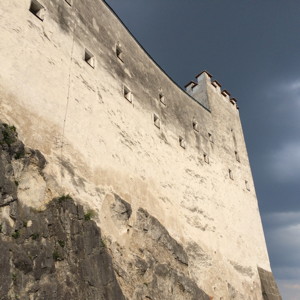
(191, 85)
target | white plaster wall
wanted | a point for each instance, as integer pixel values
(96, 142)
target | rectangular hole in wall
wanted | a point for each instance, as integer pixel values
(233, 137)
(70, 2)
(127, 93)
(37, 9)
(230, 174)
(182, 142)
(162, 98)
(206, 158)
(196, 126)
(247, 185)
(237, 157)
(89, 58)
(156, 120)
(119, 53)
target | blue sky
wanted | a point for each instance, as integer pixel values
(253, 49)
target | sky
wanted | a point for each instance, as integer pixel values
(253, 49)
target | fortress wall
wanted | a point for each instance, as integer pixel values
(97, 142)
(230, 135)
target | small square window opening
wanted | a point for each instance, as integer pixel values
(182, 142)
(89, 58)
(119, 53)
(37, 9)
(237, 157)
(196, 126)
(247, 185)
(162, 99)
(206, 158)
(127, 94)
(156, 120)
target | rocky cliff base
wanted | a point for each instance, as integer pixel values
(58, 253)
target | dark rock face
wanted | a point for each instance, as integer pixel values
(167, 283)
(152, 227)
(54, 254)
(269, 287)
(59, 256)
(157, 267)
(122, 210)
(10, 148)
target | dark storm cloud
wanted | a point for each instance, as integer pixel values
(253, 49)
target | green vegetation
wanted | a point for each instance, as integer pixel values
(12, 128)
(35, 236)
(8, 134)
(14, 277)
(56, 256)
(64, 198)
(20, 154)
(61, 243)
(102, 243)
(16, 234)
(89, 215)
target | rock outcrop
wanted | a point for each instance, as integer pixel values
(58, 252)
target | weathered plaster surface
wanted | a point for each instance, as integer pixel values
(58, 252)
(98, 144)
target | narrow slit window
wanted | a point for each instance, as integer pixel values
(70, 2)
(237, 157)
(127, 94)
(119, 53)
(162, 99)
(210, 137)
(37, 9)
(182, 142)
(196, 126)
(234, 138)
(230, 174)
(89, 58)
(247, 185)
(206, 158)
(156, 120)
